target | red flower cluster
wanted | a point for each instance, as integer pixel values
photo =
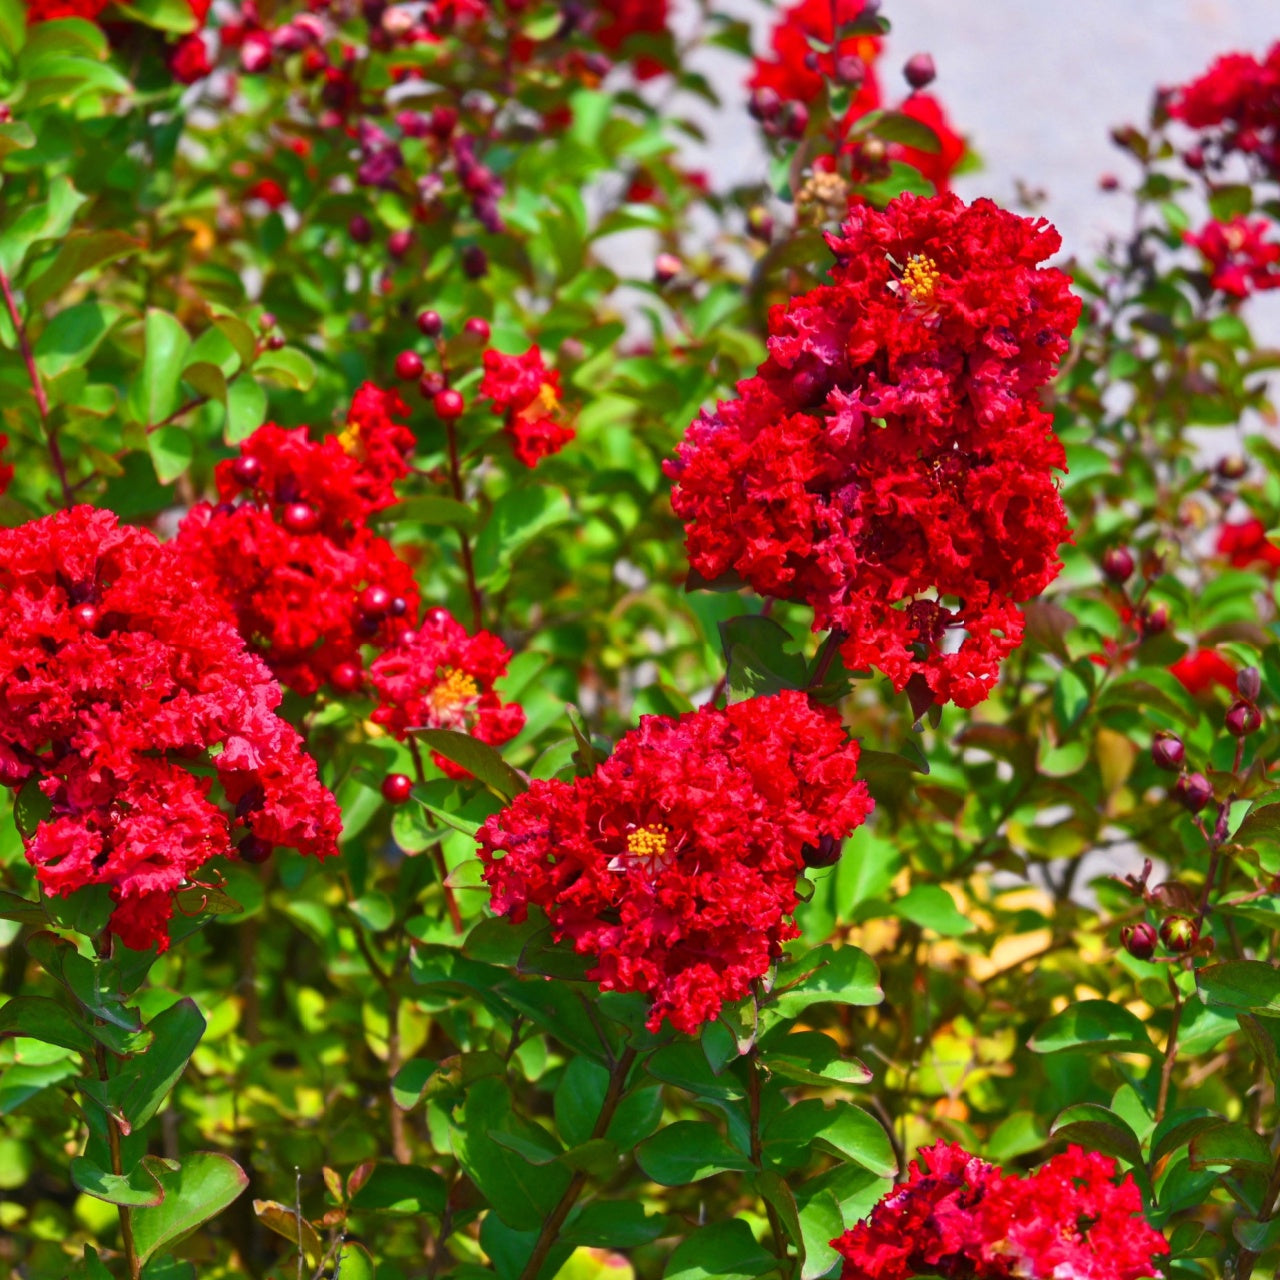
(675, 864)
(117, 673)
(309, 582)
(48, 10)
(1245, 544)
(439, 677)
(528, 393)
(1240, 257)
(620, 20)
(1238, 98)
(1199, 671)
(890, 464)
(959, 1216)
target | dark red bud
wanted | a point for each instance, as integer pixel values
(408, 366)
(1232, 467)
(435, 616)
(300, 518)
(397, 788)
(475, 262)
(764, 104)
(1249, 684)
(826, 853)
(1117, 564)
(430, 385)
(477, 327)
(1193, 158)
(374, 601)
(1194, 791)
(795, 119)
(449, 404)
(246, 470)
(360, 229)
(398, 607)
(1242, 719)
(254, 849)
(347, 677)
(920, 71)
(1168, 752)
(275, 342)
(429, 324)
(1139, 940)
(1155, 620)
(1179, 933)
(399, 243)
(86, 616)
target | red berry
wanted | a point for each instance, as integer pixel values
(360, 229)
(1139, 940)
(300, 518)
(408, 366)
(1155, 620)
(1179, 933)
(397, 788)
(477, 327)
(246, 471)
(795, 119)
(1117, 564)
(275, 342)
(1243, 719)
(431, 384)
(346, 677)
(1168, 752)
(826, 853)
(1194, 791)
(430, 324)
(1193, 157)
(449, 404)
(254, 849)
(399, 243)
(920, 71)
(435, 616)
(1232, 467)
(86, 616)
(398, 607)
(374, 601)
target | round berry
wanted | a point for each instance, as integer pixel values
(397, 788)
(431, 384)
(826, 853)
(86, 616)
(1242, 719)
(254, 849)
(449, 404)
(246, 471)
(1139, 940)
(429, 324)
(275, 342)
(267, 320)
(1168, 752)
(399, 243)
(1117, 564)
(1232, 467)
(1155, 620)
(398, 607)
(366, 627)
(346, 677)
(435, 616)
(360, 229)
(408, 366)
(920, 71)
(374, 601)
(300, 518)
(475, 262)
(1179, 933)
(477, 327)
(1194, 791)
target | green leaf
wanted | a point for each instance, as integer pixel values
(39, 1018)
(289, 365)
(896, 126)
(14, 136)
(14, 907)
(842, 1128)
(78, 252)
(614, 1224)
(1262, 1036)
(820, 1222)
(206, 379)
(13, 27)
(144, 1081)
(156, 390)
(195, 1190)
(72, 336)
(171, 449)
(1092, 1026)
(1177, 1130)
(436, 510)
(1233, 1145)
(812, 1057)
(402, 1188)
(174, 16)
(49, 220)
(246, 409)
(410, 1082)
(1241, 984)
(724, 1250)
(1100, 1129)
(287, 1222)
(517, 518)
(761, 657)
(687, 1151)
(1262, 822)
(138, 1188)
(478, 758)
(843, 975)
(932, 907)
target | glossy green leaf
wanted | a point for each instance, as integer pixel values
(196, 1189)
(687, 1151)
(1092, 1026)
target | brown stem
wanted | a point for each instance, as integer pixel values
(117, 1167)
(826, 656)
(468, 563)
(1170, 1050)
(551, 1227)
(37, 389)
(451, 902)
(757, 1148)
(396, 1118)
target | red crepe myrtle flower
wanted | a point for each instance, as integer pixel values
(620, 20)
(48, 10)
(440, 677)
(1238, 100)
(890, 464)
(1240, 258)
(190, 60)
(1199, 671)
(116, 671)
(674, 866)
(269, 191)
(1245, 544)
(957, 1215)
(523, 388)
(293, 561)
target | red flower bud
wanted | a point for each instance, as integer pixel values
(1168, 752)
(1139, 940)
(399, 243)
(429, 324)
(397, 788)
(246, 471)
(86, 616)
(1117, 564)
(254, 849)
(408, 366)
(374, 601)
(826, 853)
(1179, 933)
(1249, 684)
(449, 404)
(430, 385)
(1242, 719)
(1155, 620)
(1194, 791)
(346, 677)
(360, 229)
(1232, 467)
(477, 327)
(300, 518)
(666, 266)
(920, 71)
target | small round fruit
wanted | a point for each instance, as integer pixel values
(86, 616)
(1139, 940)
(826, 853)
(1168, 752)
(920, 71)
(1194, 791)
(429, 324)
(301, 519)
(246, 471)
(1179, 933)
(374, 601)
(1243, 719)
(399, 243)
(477, 327)
(397, 788)
(398, 607)
(360, 229)
(1117, 564)
(449, 404)
(431, 384)
(346, 677)
(254, 849)
(1156, 620)
(408, 366)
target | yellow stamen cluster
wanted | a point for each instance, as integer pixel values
(453, 688)
(648, 842)
(919, 277)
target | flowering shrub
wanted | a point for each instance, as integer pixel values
(560, 718)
